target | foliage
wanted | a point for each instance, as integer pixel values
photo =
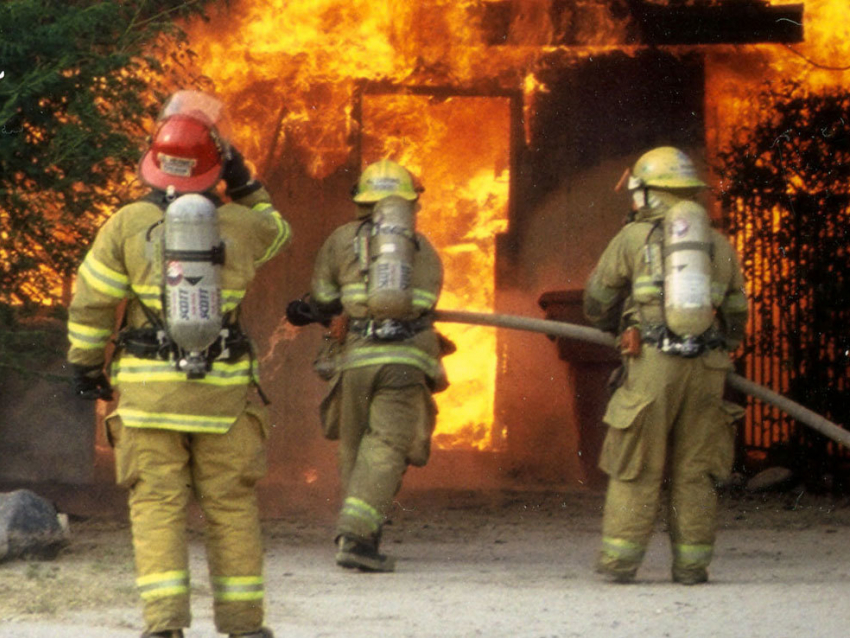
(28, 343)
(81, 83)
(786, 191)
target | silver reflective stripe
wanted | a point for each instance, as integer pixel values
(690, 556)
(601, 293)
(86, 337)
(354, 293)
(238, 588)
(163, 584)
(174, 421)
(619, 548)
(325, 293)
(360, 509)
(381, 355)
(103, 279)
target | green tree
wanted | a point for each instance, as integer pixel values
(80, 84)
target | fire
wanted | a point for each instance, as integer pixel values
(464, 208)
(821, 63)
(294, 69)
(326, 81)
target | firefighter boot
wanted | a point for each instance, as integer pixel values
(616, 570)
(262, 633)
(168, 633)
(353, 553)
(690, 576)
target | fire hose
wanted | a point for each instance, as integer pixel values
(592, 335)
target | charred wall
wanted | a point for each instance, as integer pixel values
(595, 119)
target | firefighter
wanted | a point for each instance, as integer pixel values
(180, 432)
(379, 280)
(672, 288)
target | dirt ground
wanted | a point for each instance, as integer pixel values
(499, 562)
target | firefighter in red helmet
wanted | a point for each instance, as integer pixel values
(186, 423)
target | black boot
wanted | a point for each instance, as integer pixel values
(262, 633)
(168, 633)
(353, 553)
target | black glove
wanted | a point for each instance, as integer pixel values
(91, 383)
(237, 175)
(300, 313)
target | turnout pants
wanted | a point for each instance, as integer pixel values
(385, 416)
(162, 470)
(669, 415)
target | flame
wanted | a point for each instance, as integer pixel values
(464, 209)
(311, 475)
(305, 78)
(821, 63)
(293, 70)
(732, 73)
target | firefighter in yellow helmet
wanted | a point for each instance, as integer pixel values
(672, 288)
(379, 279)
(186, 423)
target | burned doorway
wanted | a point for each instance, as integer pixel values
(458, 144)
(594, 118)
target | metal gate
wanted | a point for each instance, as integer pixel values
(798, 339)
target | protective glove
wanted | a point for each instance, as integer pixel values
(91, 383)
(237, 176)
(299, 312)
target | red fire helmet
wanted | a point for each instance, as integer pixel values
(186, 153)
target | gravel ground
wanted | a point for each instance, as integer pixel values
(498, 562)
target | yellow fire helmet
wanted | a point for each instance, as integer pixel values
(664, 167)
(382, 179)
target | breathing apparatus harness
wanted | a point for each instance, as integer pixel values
(661, 335)
(156, 341)
(384, 245)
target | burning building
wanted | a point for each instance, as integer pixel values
(518, 117)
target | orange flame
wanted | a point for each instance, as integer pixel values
(290, 72)
(294, 67)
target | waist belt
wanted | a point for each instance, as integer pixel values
(688, 347)
(151, 343)
(390, 329)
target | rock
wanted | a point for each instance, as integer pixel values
(773, 478)
(30, 526)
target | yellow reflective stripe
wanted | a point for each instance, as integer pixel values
(231, 298)
(423, 298)
(163, 584)
(325, 292)
(283, 232)
(360, 509)
(238, 588)
(104, 279)
(646, 285)
(603, 294)
(407, 355)
(692, 555)
(130, 369)
(718, 292)
(151, 296)
(735, 302)
(174, 421)
(86, 337)
(354, 293)
(623, 549)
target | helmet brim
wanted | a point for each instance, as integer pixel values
(676, 183)
(372, 196)
(151, 175)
